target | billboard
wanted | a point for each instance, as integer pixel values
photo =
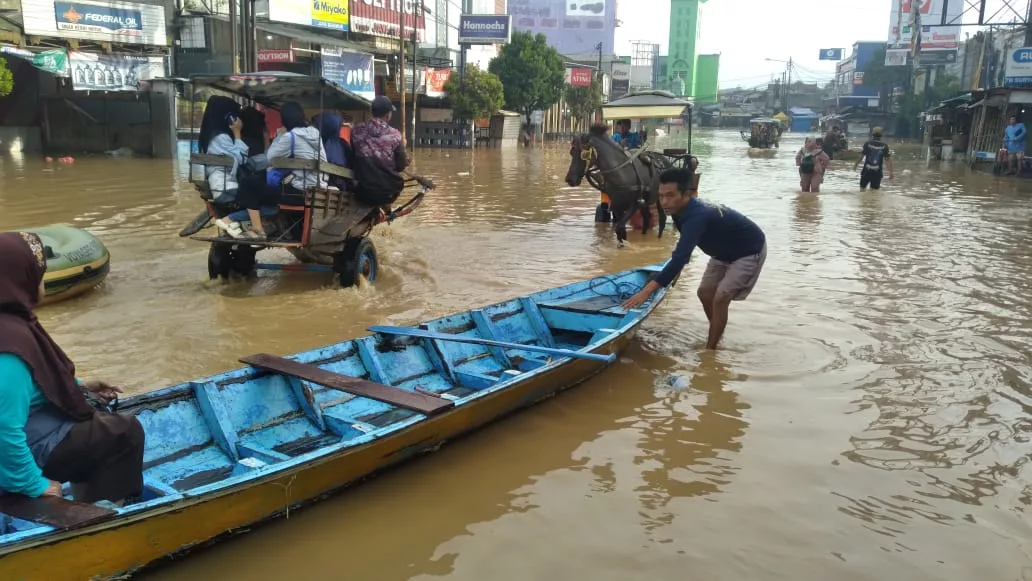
(332, 14)
(571, 26)
(112, 72)
(929, 13)
(124, 22)
(578, 77)
(831, 54)
(381, 17)
(351, 70)
(484, 28)
(621, 84)
(1018, 68)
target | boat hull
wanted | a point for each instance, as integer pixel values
(115, 548)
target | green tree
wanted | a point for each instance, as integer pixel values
(478, 95)
(532, 72)
(584, 101)
(6, 79)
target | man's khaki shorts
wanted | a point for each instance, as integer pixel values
(735, 279)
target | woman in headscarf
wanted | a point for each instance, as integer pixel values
(255, 133)
(298, 140)
(221, 134)
(49, 432)
(329, 125)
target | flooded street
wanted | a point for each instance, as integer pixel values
(868, 417)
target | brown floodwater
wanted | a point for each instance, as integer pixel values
(867, 417)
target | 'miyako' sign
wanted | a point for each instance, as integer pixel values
(485, 28)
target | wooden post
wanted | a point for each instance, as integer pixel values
(401, 65)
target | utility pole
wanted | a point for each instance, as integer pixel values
(601, 90)
(401, 66)
(415, 78)
(234, 24)
(788, 82)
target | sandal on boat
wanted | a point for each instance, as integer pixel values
(229, 227)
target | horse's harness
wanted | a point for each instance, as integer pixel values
(594, 174)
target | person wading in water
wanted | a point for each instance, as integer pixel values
(875, 156)
(736, 245)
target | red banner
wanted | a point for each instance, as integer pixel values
(578, 77)
(381, 17)
(435, 80)
(276, 55)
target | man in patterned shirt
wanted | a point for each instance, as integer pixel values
(380, 159)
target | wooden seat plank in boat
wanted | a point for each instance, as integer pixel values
(418, 402)
(57, 512)
(588, 305)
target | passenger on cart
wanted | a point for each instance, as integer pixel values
(380, 161)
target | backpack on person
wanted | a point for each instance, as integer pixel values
(875, 156)
(808, 163)
(376, 185)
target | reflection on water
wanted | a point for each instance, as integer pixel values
(868, 416)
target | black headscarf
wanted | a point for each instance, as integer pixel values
(22, 265)
(293, 115)
(253, 132)
(214, 122)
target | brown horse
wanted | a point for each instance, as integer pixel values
(631, 180)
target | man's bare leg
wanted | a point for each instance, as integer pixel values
(706, 298)
(720, 304)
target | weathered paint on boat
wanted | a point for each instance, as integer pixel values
(215, 458)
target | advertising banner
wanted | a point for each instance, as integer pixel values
(484, 28)
(112, 72)
(380, 17)
(54, 61)
(123, 22)
(435, 80)
(332, 14)
(571, 26)
(275, 55)
(578, 77)
(905, 15)
(831, 54)
(351, 70)
(1017, 71)
(621, 84)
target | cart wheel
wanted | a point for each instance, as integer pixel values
(603, 214)
(243, 260)
(219, 260)
(357, 259)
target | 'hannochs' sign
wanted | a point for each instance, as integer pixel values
(122, 22)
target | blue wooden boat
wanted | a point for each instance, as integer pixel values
(233, 449)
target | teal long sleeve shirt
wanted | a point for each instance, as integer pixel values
(18, 394)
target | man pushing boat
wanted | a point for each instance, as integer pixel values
(736, 245)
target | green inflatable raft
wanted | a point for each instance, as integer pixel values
(76, 261)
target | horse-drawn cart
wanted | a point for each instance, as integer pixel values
(326, 229)
(629, 180)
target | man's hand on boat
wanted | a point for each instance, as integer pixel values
(53, 489)
(102, 390)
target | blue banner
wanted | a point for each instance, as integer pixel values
(351, 70)
(93, 18)
(831, 54)
(484, 28)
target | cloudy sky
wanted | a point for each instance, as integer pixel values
(746, 32)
